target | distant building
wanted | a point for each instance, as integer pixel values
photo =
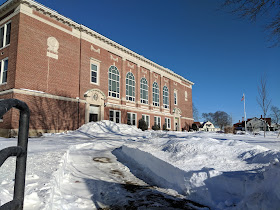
(206, 126)
(257, 124)
(254, 124)
(275, 127)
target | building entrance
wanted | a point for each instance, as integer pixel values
(95, 102)
(176, 124)
(93, 117)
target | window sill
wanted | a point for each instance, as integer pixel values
(130, 101)
(3, 83)
(111, 97)
(93, 83)
(4, 46)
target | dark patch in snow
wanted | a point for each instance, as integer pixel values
(132, 196)
(117, 172)
(102, 159)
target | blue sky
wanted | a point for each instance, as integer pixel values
(223, 55)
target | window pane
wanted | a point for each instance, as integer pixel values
(114, 86)
(111, 116)
(1, 37)
(117, 116)
(4, 79)
(93, 67)
(8, 33)
(93, 74)
(93, 79)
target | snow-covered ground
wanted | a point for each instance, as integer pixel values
(108, 165)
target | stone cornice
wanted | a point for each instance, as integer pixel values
(50, 13)
(130, 52)
(8, 5)
(55, 15)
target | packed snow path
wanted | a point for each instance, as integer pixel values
(91, 177)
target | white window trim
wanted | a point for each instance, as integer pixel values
(5, 33)
(110, 91)
(175, 93)
(97, 63)
(141, 89)
(157, 104)
(168, 119)
(135, 117)
(165, 106)
(114, 118)
(145, 115)
(2, 70)
(133, 88)
(158, 117)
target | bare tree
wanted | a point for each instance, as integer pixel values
(275, 114)
(263, 99)
(219, 118)
(253, 9)
(195, 113)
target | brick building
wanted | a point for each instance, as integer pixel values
(69, 75)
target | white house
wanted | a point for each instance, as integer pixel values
(257, 124)
(208, 126)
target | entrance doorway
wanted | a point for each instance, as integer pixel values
(93, 117)
(176, 124)
(94, 106)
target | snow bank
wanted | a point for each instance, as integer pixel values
(220, 174)
(97, 129)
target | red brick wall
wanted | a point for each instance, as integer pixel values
(51, 114)
(33, 63)
(11, 52)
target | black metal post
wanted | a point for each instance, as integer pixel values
(20, 152)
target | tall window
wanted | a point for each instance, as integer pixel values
(175, 98)
(144, 91)
(130, 87)
(157, 121)
(168, 123)
(155, 94)
(165, 97)
(5, 34)
(114, 82)
(115, 116)
(94, 72)
(131, 118)
(3, 71)
(146, 118)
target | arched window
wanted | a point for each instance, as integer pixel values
(165, 97)
(155, 94)
(114, 82)
(144, 91)
(130, 87)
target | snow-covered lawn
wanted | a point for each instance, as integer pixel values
(108, 165)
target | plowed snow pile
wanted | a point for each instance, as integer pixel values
(218, 173)
(105, 164)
